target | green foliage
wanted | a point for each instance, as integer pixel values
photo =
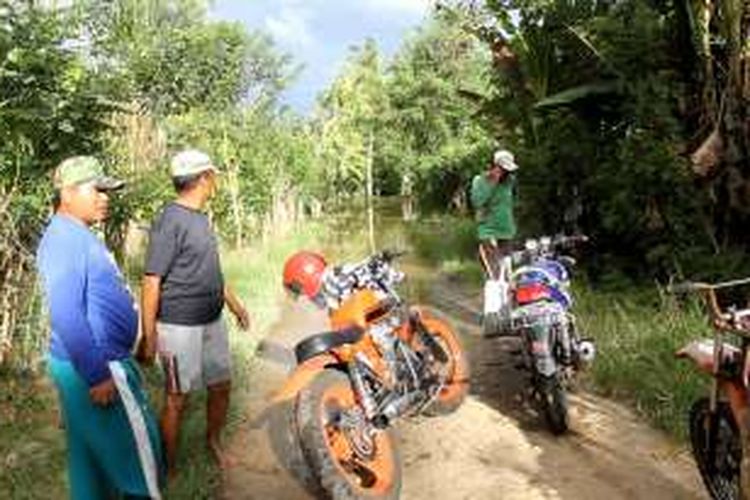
(411, 119)
(433, 128)
(264, 156)
(50, 104)
(592, 97)
(350, 121)
(171, 58)
(637, 334)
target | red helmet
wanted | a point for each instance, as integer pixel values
(303, 273)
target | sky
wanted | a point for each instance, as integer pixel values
(318, 34)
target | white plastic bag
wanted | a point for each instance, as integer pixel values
(495, 296)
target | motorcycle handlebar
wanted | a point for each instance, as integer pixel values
(575, 239)
(725, 320)
(546, 244)
(376, 266)
(696, 286)
(688, 286)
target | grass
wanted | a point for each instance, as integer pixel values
(449, 244)
(32, 451)
(637, 333)
(32, 447)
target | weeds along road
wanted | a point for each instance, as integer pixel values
(493, 447)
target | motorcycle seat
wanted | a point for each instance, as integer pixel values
(322, 342)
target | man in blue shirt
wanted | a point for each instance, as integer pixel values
(112, 437)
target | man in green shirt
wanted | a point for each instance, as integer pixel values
(492, 197)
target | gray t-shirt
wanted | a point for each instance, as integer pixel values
(183, 251)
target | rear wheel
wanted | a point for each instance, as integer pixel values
(454, 371)
(721, 475)
(351, 459)
(554, 403)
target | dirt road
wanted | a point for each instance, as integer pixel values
(494, 447)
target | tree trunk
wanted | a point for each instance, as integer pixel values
(407, 196)
(745, 58)
(369, 190)
(710, 107)
(734, 122)
(234, 194)
(723, 156)
(368, 167)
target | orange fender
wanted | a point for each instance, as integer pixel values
(302, 376)
(441, 328)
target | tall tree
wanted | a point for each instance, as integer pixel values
(171, 57)
(350, 118)
(434, 129)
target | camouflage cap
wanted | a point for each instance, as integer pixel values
(191, 162)
(82, 169)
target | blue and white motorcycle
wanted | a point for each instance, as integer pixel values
(532, 299)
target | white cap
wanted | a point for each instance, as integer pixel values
(190, 162)
(504, 158)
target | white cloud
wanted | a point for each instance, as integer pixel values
(291, 27)
(410, 7)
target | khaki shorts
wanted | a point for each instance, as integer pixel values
(194, 356)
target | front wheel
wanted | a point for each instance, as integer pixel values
(351, 459)
(554, 403)
(454, 370)
(721, 474)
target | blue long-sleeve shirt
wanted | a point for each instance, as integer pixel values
(93, 315)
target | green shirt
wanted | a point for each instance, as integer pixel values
(494, 207)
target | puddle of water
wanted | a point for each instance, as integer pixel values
(353, 232)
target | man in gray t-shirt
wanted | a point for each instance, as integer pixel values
(182, 300)
(183, 252)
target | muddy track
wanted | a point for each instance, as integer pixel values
(493, 447)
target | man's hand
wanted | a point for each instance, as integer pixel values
(237, 308)
(103, 393)
(146, 351)
(243, 317)
(496, 175)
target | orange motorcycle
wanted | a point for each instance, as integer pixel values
(719, 424)
(381, 361)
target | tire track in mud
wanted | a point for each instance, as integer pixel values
(493, 447)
